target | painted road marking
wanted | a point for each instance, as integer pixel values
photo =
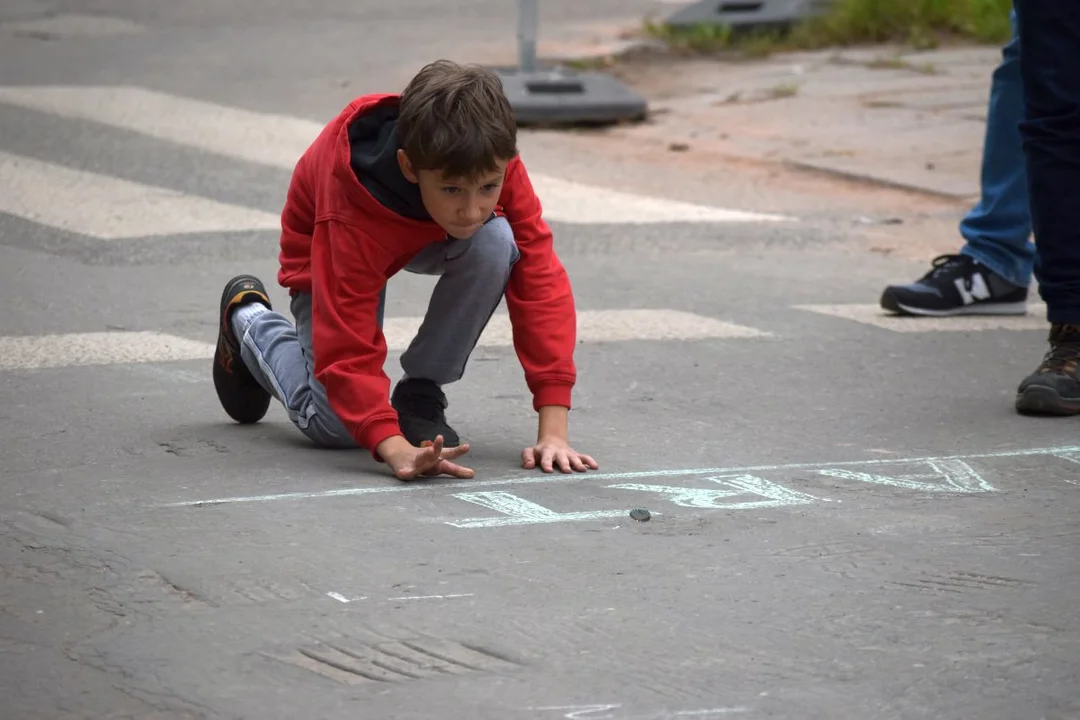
(594, 326)
(71, 25)
(534, 479)
(279, 140)
(97, 348)
(873, 315)
(109, 208)
(597, 326)
(574, 202)
(261, 138)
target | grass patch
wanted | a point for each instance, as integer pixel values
(921, 24)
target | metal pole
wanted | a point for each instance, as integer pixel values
(527, 22)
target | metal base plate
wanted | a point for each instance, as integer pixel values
(563, 96)
(748, 13)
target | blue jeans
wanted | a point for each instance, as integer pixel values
(1050, 63)
(472, 280)
(998, 228)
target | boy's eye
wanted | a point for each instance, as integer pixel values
(451, 190)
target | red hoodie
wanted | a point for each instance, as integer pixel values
(351, 220)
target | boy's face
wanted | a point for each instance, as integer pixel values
(460, 206)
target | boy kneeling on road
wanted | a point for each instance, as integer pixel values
(430, 181)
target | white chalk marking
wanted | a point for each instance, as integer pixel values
(109, 208)
(735, 486)
(876, 316)
(518, 511)
(341, 598)
(580, 712)
(532, 479)
(97, 348)
(595, 326)
(1071, 457)
(279, 140)
(589, 712)
(952, 476)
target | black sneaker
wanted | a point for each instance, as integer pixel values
(240, 394)
(957, 285)
(420, 405)
(1054, 388)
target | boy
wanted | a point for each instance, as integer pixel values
(430, 181)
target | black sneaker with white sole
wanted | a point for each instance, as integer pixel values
(957, 285)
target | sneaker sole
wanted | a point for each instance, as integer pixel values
(1040, 400)
(256, 401)
(1018, 308)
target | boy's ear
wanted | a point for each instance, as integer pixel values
(406, 166)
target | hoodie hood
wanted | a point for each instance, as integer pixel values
(373, 146)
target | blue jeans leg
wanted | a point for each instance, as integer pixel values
(1050, 63)
(998, 228)
(279, 355)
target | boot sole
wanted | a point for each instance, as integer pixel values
(256, 401)
(1038, 400)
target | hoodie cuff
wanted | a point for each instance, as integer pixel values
(375, 433)
(556, 393)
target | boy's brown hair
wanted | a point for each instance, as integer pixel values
(456, 119)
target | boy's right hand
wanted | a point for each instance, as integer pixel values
(410, 462)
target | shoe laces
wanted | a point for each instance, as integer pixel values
(1064, 354)
(946, 264)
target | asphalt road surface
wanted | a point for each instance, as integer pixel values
(847, 517)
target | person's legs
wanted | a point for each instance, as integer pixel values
(473, 276)
(274, 357)
(998, 228)
(279, 355)
(992, 271)
(262, 355)
(1050, 58)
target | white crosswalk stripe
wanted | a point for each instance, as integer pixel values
(97, 348)
(109, 208)
(278, 140)
(870, 314)
(126, 347)
(102, 207)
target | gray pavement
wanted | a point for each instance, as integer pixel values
(848, 518)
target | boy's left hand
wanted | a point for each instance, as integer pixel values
(555, 452)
